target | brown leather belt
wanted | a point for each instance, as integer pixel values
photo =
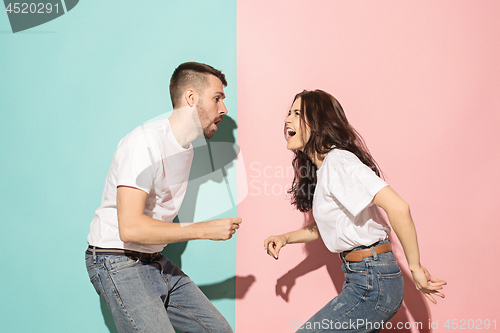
(359, 255)
(131, 253)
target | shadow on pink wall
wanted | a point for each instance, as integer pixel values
(413, 310)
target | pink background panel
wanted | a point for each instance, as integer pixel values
(420, 81)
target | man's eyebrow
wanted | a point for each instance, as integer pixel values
(220, 93)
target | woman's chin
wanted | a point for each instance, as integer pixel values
(293, 147)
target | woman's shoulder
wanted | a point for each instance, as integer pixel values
(338, 157)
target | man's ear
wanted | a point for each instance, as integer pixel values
(190, 97)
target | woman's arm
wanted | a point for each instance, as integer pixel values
(273, 244)
(398, 212)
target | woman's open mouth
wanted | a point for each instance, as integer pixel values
(289, 133)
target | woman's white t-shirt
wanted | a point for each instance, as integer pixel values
(342, 203)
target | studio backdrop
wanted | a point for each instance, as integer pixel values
(418, 80)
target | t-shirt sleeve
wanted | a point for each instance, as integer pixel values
(354, 185)
(137, 158)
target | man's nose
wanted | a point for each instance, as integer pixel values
(223, 109)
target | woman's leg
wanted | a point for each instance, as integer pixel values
(372, 294)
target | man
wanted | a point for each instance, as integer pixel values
(144, 189)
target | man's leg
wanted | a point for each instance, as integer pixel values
(188, 308)
(132, 290)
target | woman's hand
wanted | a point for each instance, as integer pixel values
(273, 245)
(427, 284)
(398, 212)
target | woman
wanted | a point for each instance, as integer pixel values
(337, 178)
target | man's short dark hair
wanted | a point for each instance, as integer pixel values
(191, 75)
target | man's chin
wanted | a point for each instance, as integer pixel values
(208, 135)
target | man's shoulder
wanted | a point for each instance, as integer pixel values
(153, 131)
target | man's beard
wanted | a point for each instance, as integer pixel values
(202, 115)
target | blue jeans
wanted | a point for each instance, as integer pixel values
(371, 295)
(152, 295)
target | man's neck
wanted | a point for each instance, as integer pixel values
(185, 125)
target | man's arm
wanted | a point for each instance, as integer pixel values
(135, 227)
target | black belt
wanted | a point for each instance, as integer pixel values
(131, 253)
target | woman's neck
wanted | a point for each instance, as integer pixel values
(318, 159)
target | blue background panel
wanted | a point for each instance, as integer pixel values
(70, 89)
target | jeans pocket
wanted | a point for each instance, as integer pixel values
(96, 282)
(118, 263)
(391, 292)
(356, 267)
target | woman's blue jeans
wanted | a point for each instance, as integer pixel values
(150, 296)
(371, 295)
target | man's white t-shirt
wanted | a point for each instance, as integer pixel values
(151, 159)
(342, 203)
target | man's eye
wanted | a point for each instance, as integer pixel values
(217, 99)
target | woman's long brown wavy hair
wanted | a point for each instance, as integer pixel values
(329, 128)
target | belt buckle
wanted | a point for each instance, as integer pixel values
(149, 256)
